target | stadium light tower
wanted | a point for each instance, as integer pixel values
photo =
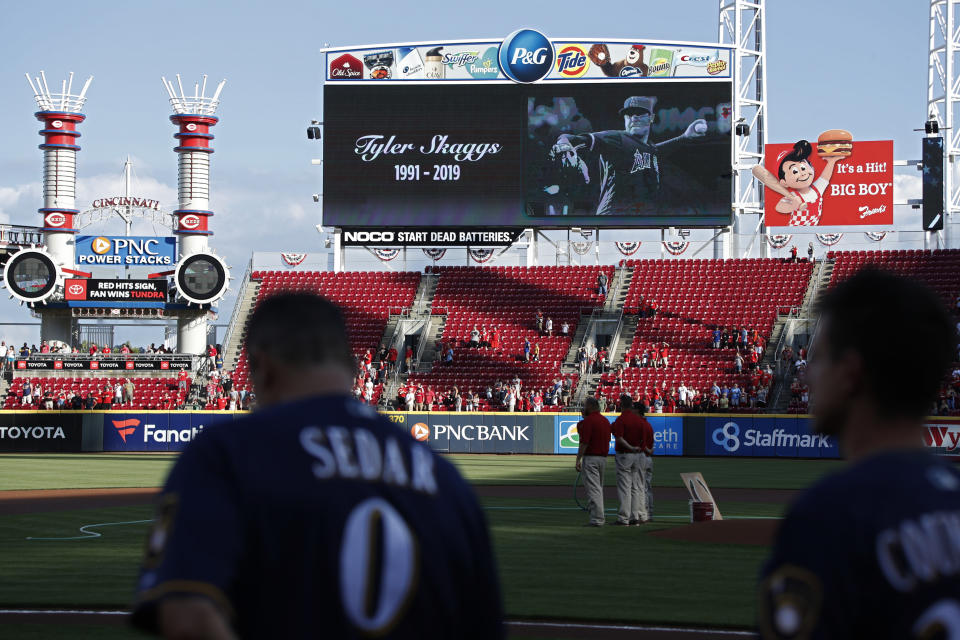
(60, 113)
(943, 100)
(194, 116)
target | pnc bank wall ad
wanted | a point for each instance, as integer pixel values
(667, 435)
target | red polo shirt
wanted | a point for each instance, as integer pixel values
(628, 426)
(595, 431)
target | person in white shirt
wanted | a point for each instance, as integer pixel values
(475, 337)
(549, 326)
(409, 398)
(565, 328)
(118, 393)
(511, 400)
(682, 394)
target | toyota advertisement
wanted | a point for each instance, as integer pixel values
(96, 290)
(832, 183)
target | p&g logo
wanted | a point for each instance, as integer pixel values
(526, 56)
(728, 437)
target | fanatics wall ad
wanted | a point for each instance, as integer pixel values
(156, 431)
(834, 183)
(477, 61)
(512, 155)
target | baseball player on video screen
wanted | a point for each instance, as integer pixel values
(625, 161)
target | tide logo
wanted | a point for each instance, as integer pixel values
(125, 427)
(572, 61)
(101, 245)
(420, 431)
(190, 221)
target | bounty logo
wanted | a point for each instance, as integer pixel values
(526, 56)
(485, 66)
(728, 437)
(125, 427)
(101, 245)
(420, 431)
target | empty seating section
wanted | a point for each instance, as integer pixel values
(508, 298)
(367, 299)
(149, 393)
(938, 269)
(693, 296)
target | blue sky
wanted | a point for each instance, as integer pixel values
(871, 79)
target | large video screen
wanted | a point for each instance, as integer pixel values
(594, 154)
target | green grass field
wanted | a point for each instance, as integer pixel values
(548, 561)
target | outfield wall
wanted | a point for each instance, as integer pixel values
(722, 435)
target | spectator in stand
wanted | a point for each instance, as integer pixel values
(738, 363)
(457, 399)
(128, 391)
(211, 356)
(428, 397)
(484, 338)
(602, 283)
(26, 392)
(448, 359)
(408, 358)
(367, 359)
(665, 355)
(368, 391)
(548, 326)
(716, 336)
(125, 348)
(735, 394)
(682, 395)
(565, 389)
(793, 253)
(89, 401)
(118, 393)
(495, 339)
(44, 347)
(11, 356)
(535, 353)
(537, 401)
(418, 398)
(565, 328)
(526, 349)
(93, 348)
(762, 397)
(410, 398)
(538, 321)
(752, 359)
(724, 403)
(183, 381)
(511, 399)
(618, 376)
(106, 350)
(810, 252)
(392, 359)
(474, 337)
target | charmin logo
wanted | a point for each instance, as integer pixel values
(55, 219)
(346, 67)
(125, 427)
(526, 56)
(100, 245)
(728, 436)
(572, 61)
(420, 431)
(190, 221)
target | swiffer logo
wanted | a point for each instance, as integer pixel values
(125, 427)
(526, 56)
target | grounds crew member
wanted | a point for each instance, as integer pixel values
(629, 429)
(315, 516)
(594, 431)
(873, 550)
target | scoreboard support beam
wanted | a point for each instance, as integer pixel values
(338, 250)
(532, 247)
(943, 106)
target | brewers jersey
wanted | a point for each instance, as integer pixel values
(629, 171)
(870, 552)
(320, 518)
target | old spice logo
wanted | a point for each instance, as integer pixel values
(867, 211)
(190, 221)
(346, 67)
(55, 220)
(125, 427)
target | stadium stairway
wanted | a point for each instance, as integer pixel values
(243, 307)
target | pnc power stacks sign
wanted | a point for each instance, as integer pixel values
(124, 251)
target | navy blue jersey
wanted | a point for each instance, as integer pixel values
(320, 518)
(870, 552)
(626, 167)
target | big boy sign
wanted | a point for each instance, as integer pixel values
(828, 184)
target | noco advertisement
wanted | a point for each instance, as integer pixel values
(599, 135)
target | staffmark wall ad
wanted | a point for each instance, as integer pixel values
(94, 290)
(133, 251)
(766, 437)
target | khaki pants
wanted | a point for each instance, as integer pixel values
(593, 467)
(630, 489)
(646, 473)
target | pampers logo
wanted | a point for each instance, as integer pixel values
(526, 56)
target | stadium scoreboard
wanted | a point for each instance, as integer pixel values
(527, 132)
